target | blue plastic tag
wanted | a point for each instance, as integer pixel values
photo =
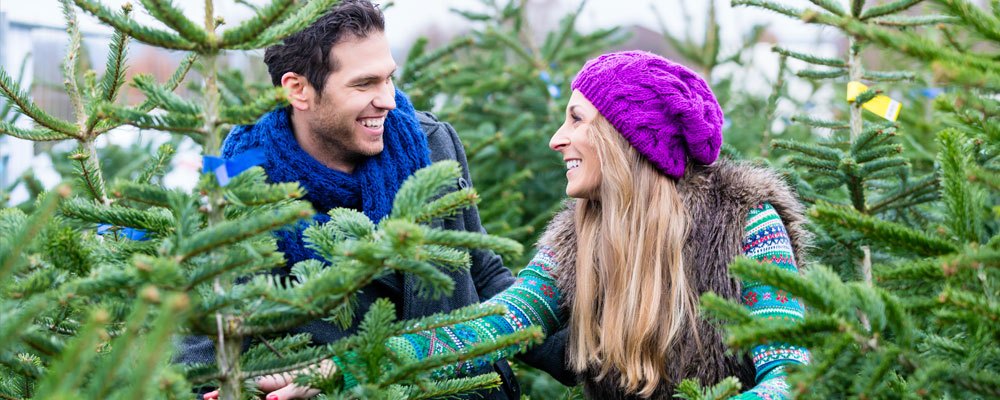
(226, 168)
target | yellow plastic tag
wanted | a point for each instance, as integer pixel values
(882, 105)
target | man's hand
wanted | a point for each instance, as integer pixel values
(280, 386)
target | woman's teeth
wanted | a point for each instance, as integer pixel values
(372, 123)
(573, 164)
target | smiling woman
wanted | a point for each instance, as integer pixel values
(655, 223)
(573, 140)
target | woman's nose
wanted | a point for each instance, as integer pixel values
(559, 140)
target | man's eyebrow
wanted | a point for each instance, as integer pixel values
(371, 77)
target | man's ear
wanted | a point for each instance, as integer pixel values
(300, 92)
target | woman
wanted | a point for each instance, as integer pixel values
(654, 223)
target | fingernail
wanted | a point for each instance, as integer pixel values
(272, 397)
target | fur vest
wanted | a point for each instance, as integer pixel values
(719, 198)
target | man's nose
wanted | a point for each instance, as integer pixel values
(386, 97)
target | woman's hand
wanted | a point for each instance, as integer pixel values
(281, 386)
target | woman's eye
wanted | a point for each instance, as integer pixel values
(575, 118)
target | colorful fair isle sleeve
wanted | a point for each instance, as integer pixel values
(765, 239)
(531, 301)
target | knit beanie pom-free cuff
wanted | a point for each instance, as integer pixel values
(664, 110)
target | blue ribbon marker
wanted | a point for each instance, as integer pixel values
(553, 89)
(127, 233)
(226, 168)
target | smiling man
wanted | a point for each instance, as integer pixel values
(350, 138)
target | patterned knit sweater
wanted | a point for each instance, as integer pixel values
(533, 301)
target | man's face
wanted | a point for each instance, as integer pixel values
(347, 121)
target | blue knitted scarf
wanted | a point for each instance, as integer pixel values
(370, 189)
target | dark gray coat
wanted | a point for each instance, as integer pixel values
(486, 277)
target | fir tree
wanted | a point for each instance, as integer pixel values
(925, 324)
(174, 262)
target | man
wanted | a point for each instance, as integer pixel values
(350, 139)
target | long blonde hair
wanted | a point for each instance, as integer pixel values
(633, 300)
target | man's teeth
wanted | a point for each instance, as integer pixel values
(573, 164)
(373, 123)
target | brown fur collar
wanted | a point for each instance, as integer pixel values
(719, 198)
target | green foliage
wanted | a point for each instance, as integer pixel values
(505, 96)
(914, 319)
(197, 270)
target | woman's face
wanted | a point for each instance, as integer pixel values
(583, 168)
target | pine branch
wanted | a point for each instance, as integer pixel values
(768, 5)
(448, 205)
(114, 70)
(875, 152)
(70, 62)
(154, 37)
(464, 314)
(869, 169)
(874, 134)
(248, 114)
(425, 184)
(856, 6)
(866, 96)
(690, 389)
(812, 59)
(88, 211)
(259, 259)
(920, 20)
(825, 167)
(566, 26)
(302, 18)
(142, 193)
(172, 17)
(982, 22)
(927, 184)
(472, 240)
(37, 135)
(890, 234)
(257, 195)
(963, 201)
(889, 76)
(819, 152)
(406, 371)
(88, 171)
(249, 29)
(829, 5)
(162, 97)
(817, 74)
(453, 387)
(229, 232)
(915, 45)
(807, 120)
(973, 302)
(171, 122)
(10, 90)
(888, 8)
(985, 177)
(164, 154)
(416, 66)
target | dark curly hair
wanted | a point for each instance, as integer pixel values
(307, 51)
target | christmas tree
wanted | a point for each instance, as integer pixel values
(165, 262)
(916, 316)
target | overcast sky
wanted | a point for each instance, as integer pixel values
(407, 18)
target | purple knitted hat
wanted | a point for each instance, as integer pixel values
(663, 109)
